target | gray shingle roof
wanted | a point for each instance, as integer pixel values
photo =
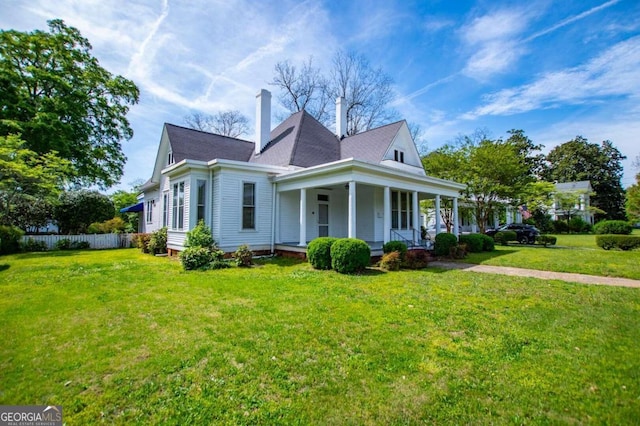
(583, 185)
(300, 141)
(203, 146)
(370, 145)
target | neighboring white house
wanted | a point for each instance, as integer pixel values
(296, 182)
(573, 199)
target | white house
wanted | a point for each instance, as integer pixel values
(296, 182)
(573, 199)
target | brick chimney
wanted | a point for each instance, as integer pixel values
(263, 119)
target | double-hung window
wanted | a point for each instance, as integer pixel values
(401, 210)
(248, 205)
(177, 220)
(201, 197)
(150, 211)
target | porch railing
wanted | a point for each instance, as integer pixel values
(415, 241)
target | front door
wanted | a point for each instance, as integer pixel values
(323, 215)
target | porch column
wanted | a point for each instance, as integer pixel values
(437, 214)
(416, 212)
(352, 209)
(303, 217)
(387, 215)
(276, 208)
(456, 226)
(509, 216)
(496, 219)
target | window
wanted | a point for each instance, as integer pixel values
(202, 186)
(249, 206)
(149, 215)
(170, 159)
(165, 209)
(177, 220)
(401, 210)
(398, 155)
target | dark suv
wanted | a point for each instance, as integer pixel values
(526, 234)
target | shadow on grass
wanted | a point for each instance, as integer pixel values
(4, 267)
(478, 258)
(52, 253)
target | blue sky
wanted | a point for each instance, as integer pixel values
(555, 69)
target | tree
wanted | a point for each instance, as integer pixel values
(121, 199)
(579, 160)
(230, 123)
(632, 199)
(366, 90)
(56, 95)
(495, 171)
(76, 210)
(27, 180)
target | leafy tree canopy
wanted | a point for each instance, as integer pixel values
(76, 210)
(56, 95)
(28, 180)
(579, 160)
(495, 171)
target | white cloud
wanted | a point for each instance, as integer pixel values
(493, 39)
(612, 73)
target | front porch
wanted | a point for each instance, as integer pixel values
(368, 206)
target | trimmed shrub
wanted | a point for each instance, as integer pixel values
(32, 245)
(398, 246)
(546, 240)
(474, 242)
(142, 242)
(80, 245)
(578, 225)
(63, 244)
(243, 256)
(10, 237)
(218, 264)
(158, 241)
(458, 252)
(488, 243)
(618, 227)
(319, 252)
(391, 261)
(200, 236)
(67, 244)
(620, 242)
(416, 259)
(443, 243)
(503, 237)
(349, 255)
(560, 226)
(195, 258)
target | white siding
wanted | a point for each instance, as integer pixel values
(216, 203)
(175, 239)
(156, 211)
(289, 217)
(365, 213)
(231, 233)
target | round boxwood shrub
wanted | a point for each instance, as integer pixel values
(319, 252)
(474, 242)
(349, 255)
(398, 246)
(443, 243)
(503, 237)
(620, 242)
(546, 240)
(619, 227)
(488, 243)
(199, 257)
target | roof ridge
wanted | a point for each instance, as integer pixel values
(296, 138)
(375, 128)
(207, 133)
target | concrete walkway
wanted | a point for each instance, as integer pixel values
(545, 275)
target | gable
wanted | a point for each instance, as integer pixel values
(403, 144)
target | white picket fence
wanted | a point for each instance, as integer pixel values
(96, 241)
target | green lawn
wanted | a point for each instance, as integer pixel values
(121, 337)
(572, 253)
